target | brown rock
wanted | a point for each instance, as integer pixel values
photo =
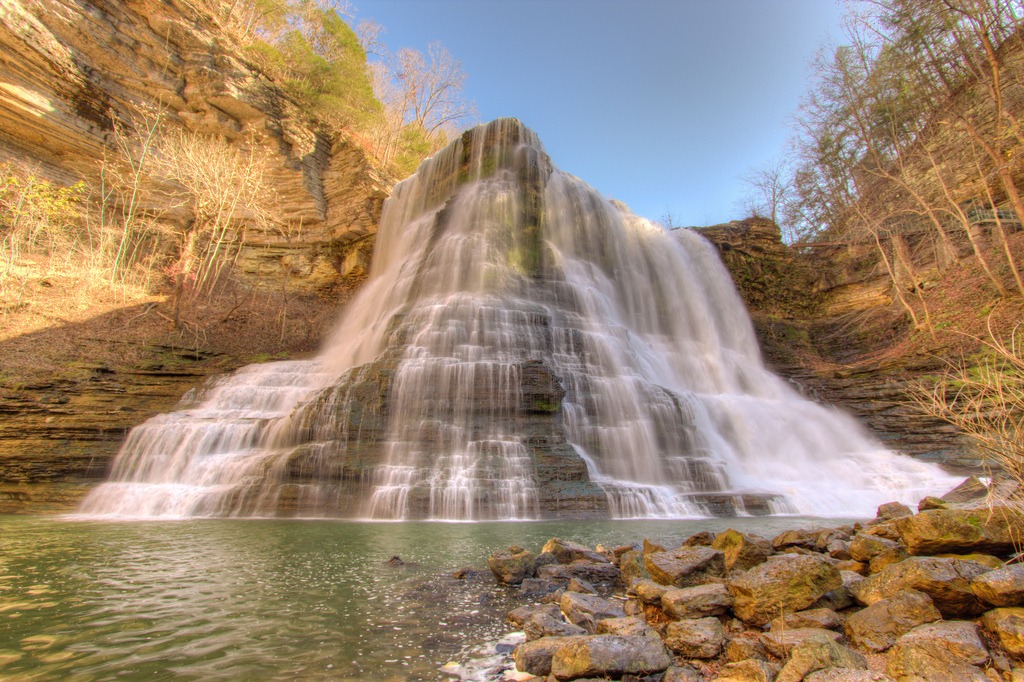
(784, 583)
(742, 551)
(518, 616)
(1001, 587)
(609, 656)
(685, 566)
(534, 657)
(511, 566)
(864, 547)
(807, 539)
(547, 624)
(847, 675)
(566, 552)
(780, 643)
(745, 645)
(702, 538)
(946, 650)
(946, 581)
(990, 530)
(886, 558)
(696, 638)
(810, 618)
(1007, 624)
(682, 674)
(892, 510)
(698, 601)
(816, 653)
(751, 670)
(587, 610)
(877, 627)
(650, 592)
(629, 626)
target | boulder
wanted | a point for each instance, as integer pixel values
(847, 675)
(864, 547)
(992, 562)
(742, 551)
(751, 670)
(698, 601)
(533, 588)
(989, 530)
(682, 674)
(930, 502)
(810, 618)
(839, 598)
(547, 624)
(817, 653)
(628, 626)
(945, 650)
(535, 656)
(685, 566)
(650, 592)
(877, 627)
(780, 643)
(745, 645)
(518, 616)
(605, 574)
(702, 538)
(839, 549)
(512, 565)
(631, 567)
(566, 552)
(696, 637)
(580, 585)
(886, 558)
(784, 583)
(587, 610)
(807, 539)
(1007, 624)
(1001, 587)
(892, 510)
(946, 581)
(609, 656)
(971, 490)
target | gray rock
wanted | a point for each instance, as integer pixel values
(609, 656)
(547, 624)
(518, 616)
(877, 627)
(685, 566)
(531, 588)
(698, 601)
(946, 650)
(696, 638)
(1001, 587)
(784, 583)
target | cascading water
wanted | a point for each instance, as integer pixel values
(524, 349)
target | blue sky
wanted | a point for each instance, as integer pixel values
(662, 104)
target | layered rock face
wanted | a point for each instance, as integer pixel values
(71, 69)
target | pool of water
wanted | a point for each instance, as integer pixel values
(265, 599)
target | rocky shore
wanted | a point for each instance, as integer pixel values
(932, 595)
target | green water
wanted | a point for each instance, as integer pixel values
(263, 600)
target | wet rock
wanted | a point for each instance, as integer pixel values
(1001, 587)
(696, 638)
(518, 616)
(784, 583)
(629, 626)
(780, 643)
(547, 624)
(685, 566)
(587, 610)
(1007, 624)
(567, 552)
(651, 547)
(989, 530)
(534, 657)
(816, 653)
(650, 592)
(946, 650)
(742, 551)
(698, 601)
(892, 510)
(512, 565)
(864, 547)
(751, 670)
(609, 656)
(467, 573)
(533, 588)
(544, 559)
(946, 581)
(810, 618)
(632, 568)
(877, 627)
(600, 574)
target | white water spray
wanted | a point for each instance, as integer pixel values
(524, 348)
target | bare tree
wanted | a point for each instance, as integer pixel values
(432, 87)
(769, 186)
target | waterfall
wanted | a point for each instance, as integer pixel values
(524, 348)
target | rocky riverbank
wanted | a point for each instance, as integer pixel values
(932, 595)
